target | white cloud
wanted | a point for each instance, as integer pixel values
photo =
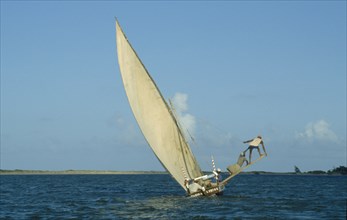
(207, 134)
(187, 121)
(318, 131)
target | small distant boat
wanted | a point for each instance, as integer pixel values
(161, 128)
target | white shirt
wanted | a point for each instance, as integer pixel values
(256, 141)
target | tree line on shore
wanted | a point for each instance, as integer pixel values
(342, 170)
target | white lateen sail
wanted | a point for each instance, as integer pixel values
(152, 113)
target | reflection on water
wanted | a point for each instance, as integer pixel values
(159, 197)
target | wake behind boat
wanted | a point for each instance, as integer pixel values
(161, 128)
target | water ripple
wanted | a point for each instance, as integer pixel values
(159, 197)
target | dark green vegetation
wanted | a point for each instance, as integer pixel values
(341, 170)
(297, 170)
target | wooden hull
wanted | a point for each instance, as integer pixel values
(217, 189)
(212, 191)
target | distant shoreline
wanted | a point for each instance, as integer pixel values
(77, 172)
(110, 172)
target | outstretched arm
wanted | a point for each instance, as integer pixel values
(248, 141)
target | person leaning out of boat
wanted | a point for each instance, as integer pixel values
(233, 169)
(219, 175)
(186, 184)
(193, 187)
(242, 159)
(254, 144)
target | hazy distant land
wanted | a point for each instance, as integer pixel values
(75, 172)
(110, 172)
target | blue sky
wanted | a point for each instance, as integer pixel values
(236, 69)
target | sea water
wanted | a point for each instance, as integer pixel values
(160, 197)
